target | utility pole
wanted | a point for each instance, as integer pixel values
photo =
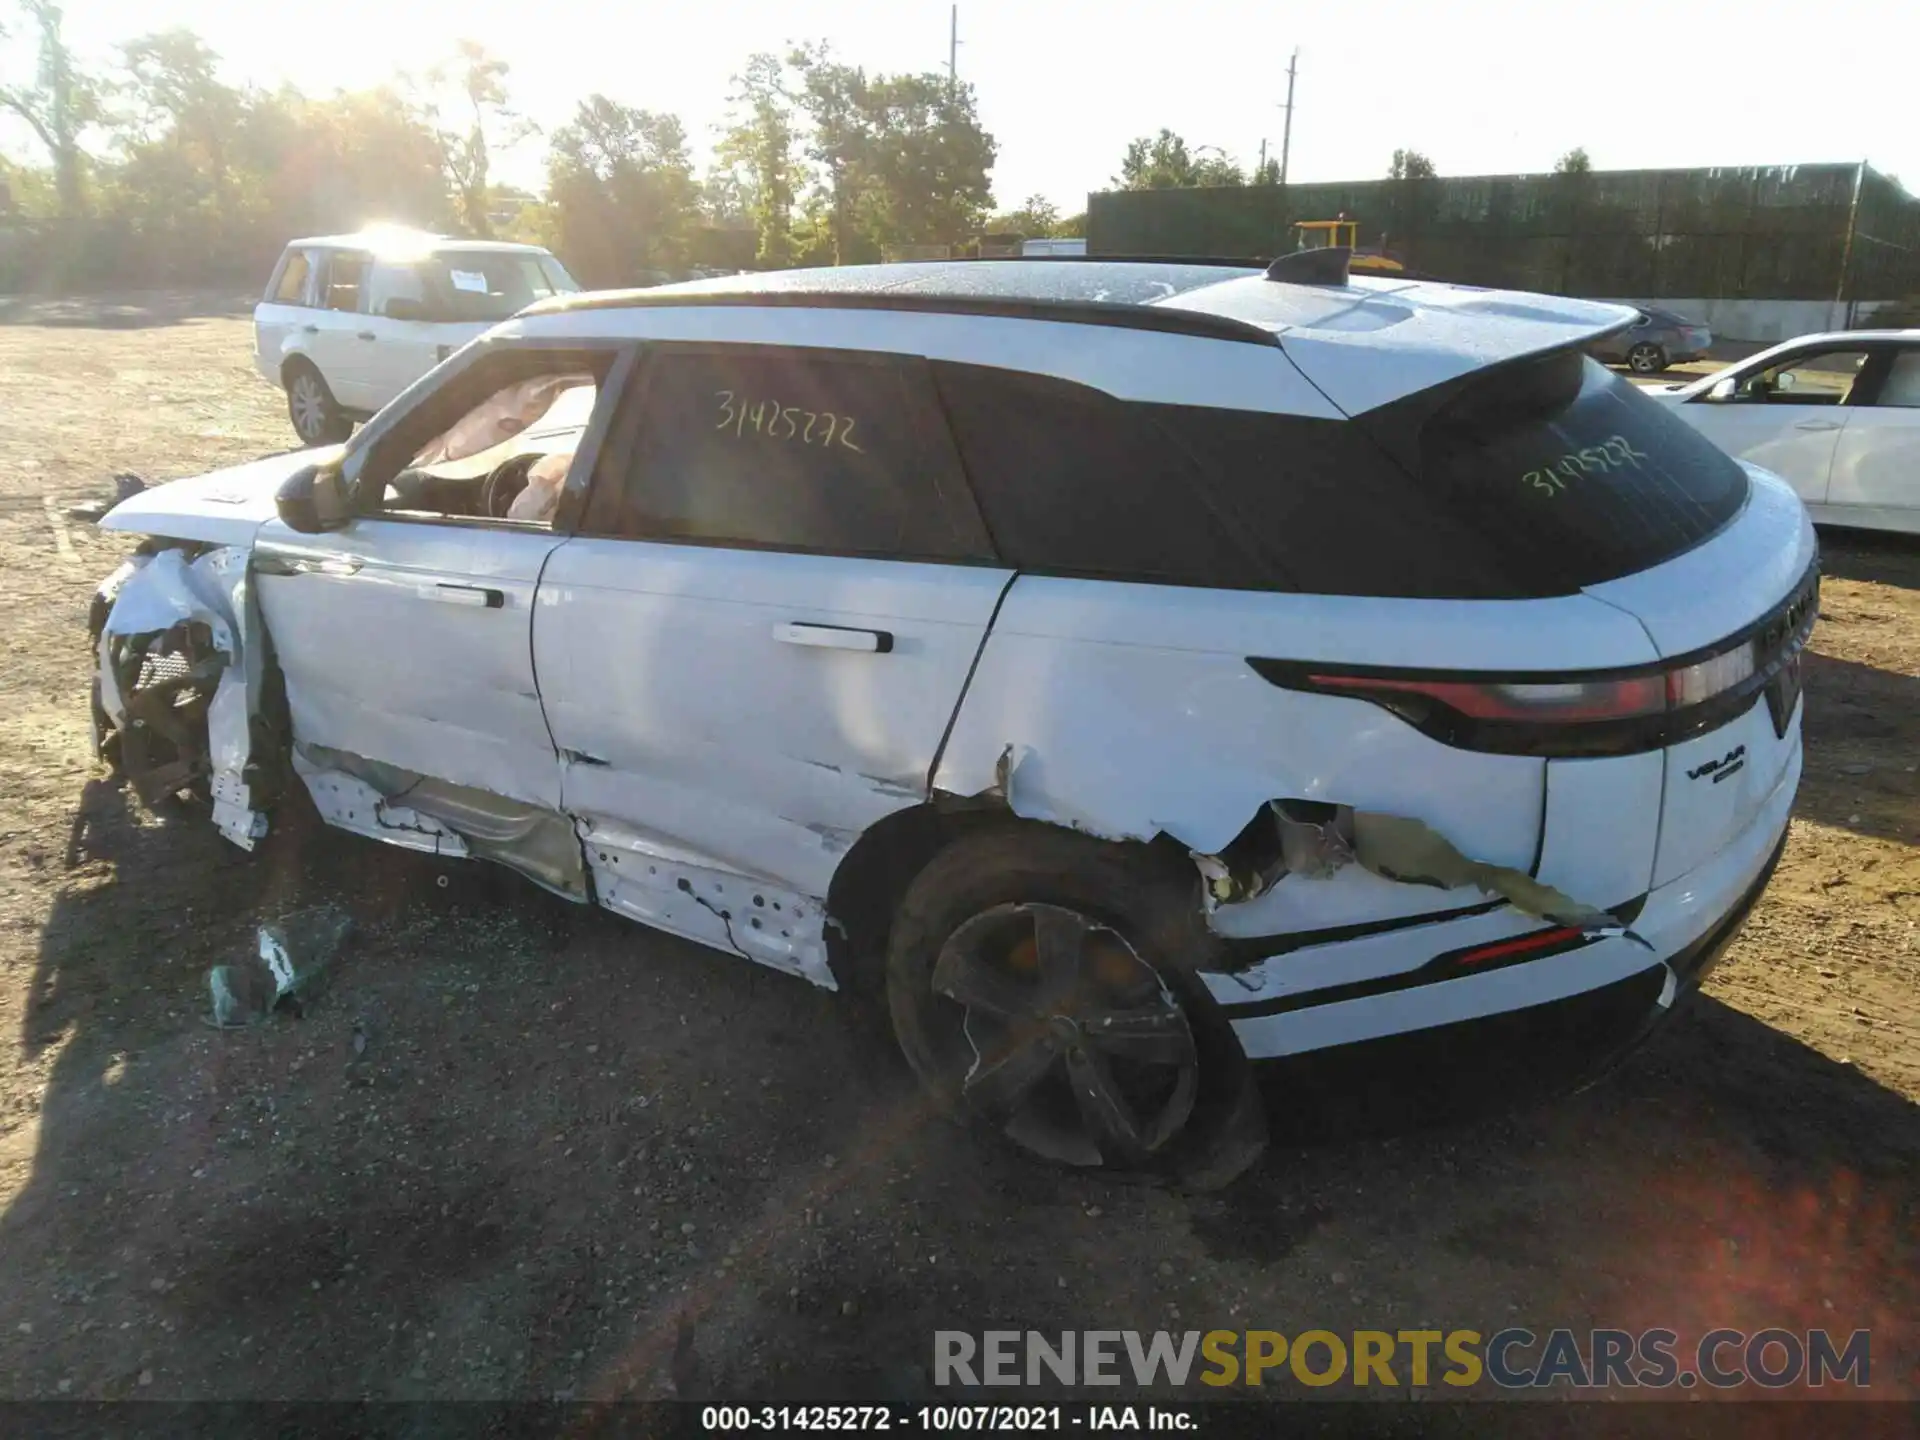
(1286, 135)
(1263, 157)
(953, 51)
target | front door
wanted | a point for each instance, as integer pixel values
(1787, 417)
(406, 636)
(752, 651)
(1877, 465)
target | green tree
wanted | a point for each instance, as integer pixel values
(1574, 162)
(180, 107)
(1037, 218)
(1073, 227)
(840, 114)
(1410, 165)
(928, 162)
(359, 157)
(756, 151)
(1267, 172)
(58, 106)
(621, 191)
(1160, 162)
(1165, 162)
(477, 82)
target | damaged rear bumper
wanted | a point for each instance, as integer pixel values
(1323, 996)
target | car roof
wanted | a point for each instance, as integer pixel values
(1836, 337)
(433, 244)
(1362, 344)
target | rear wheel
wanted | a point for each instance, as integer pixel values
(1646, 359)
(1040, 984)
(317, 418)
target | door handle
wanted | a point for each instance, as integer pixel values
(309, 329)
(1817, 425)
(478, 596)
(366, 335)
(834, 637)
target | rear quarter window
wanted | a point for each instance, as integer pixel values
(289, 285)
(1571, 474)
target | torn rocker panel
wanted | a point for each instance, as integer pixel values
(638, 876)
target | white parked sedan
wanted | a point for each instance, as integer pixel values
(1836, 416)
(1125, 670)
(349, 321)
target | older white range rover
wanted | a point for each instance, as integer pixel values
(1130, 670)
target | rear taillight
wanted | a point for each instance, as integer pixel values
(1611, 713)
(1698, 683)
(1562, 701)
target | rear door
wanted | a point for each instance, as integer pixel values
(1787, 416)
(341, 340)
(753, 648)
(1877, 464)
(281, 318)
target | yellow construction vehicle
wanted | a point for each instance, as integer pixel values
(1320, 234)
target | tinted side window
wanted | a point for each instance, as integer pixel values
(1901, 389)
(346, 272)
(797, 450)
(394, 282)
(1071, 480)
(291, 287)
(1572, 475)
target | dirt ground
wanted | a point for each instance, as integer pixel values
(520, 1150)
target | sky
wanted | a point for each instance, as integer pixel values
(1481, 87)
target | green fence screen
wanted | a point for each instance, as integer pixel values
(1805, 232)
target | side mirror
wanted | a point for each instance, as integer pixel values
(1785, 380)
(401, 308)
(313, 500)
(1723, 389)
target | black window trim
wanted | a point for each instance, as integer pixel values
(397, 411)
(1164, 318)
(617, 457)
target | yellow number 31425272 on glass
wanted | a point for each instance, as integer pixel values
(775, 421)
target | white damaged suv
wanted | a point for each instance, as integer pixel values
(1128, 669)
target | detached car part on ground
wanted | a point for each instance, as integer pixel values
(1129, 670)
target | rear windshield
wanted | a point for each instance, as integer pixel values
(493, 284)
(1573, 475)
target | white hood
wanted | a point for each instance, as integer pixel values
(1377, 339)
(223, 507)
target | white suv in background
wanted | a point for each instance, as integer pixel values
(349, 321)
(1127, 670)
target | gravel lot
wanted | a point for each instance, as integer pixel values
(523, 1150)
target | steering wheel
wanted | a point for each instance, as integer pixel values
(504, 484)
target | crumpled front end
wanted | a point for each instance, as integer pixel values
(179, 669)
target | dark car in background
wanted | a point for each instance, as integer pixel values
(1659, 338)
